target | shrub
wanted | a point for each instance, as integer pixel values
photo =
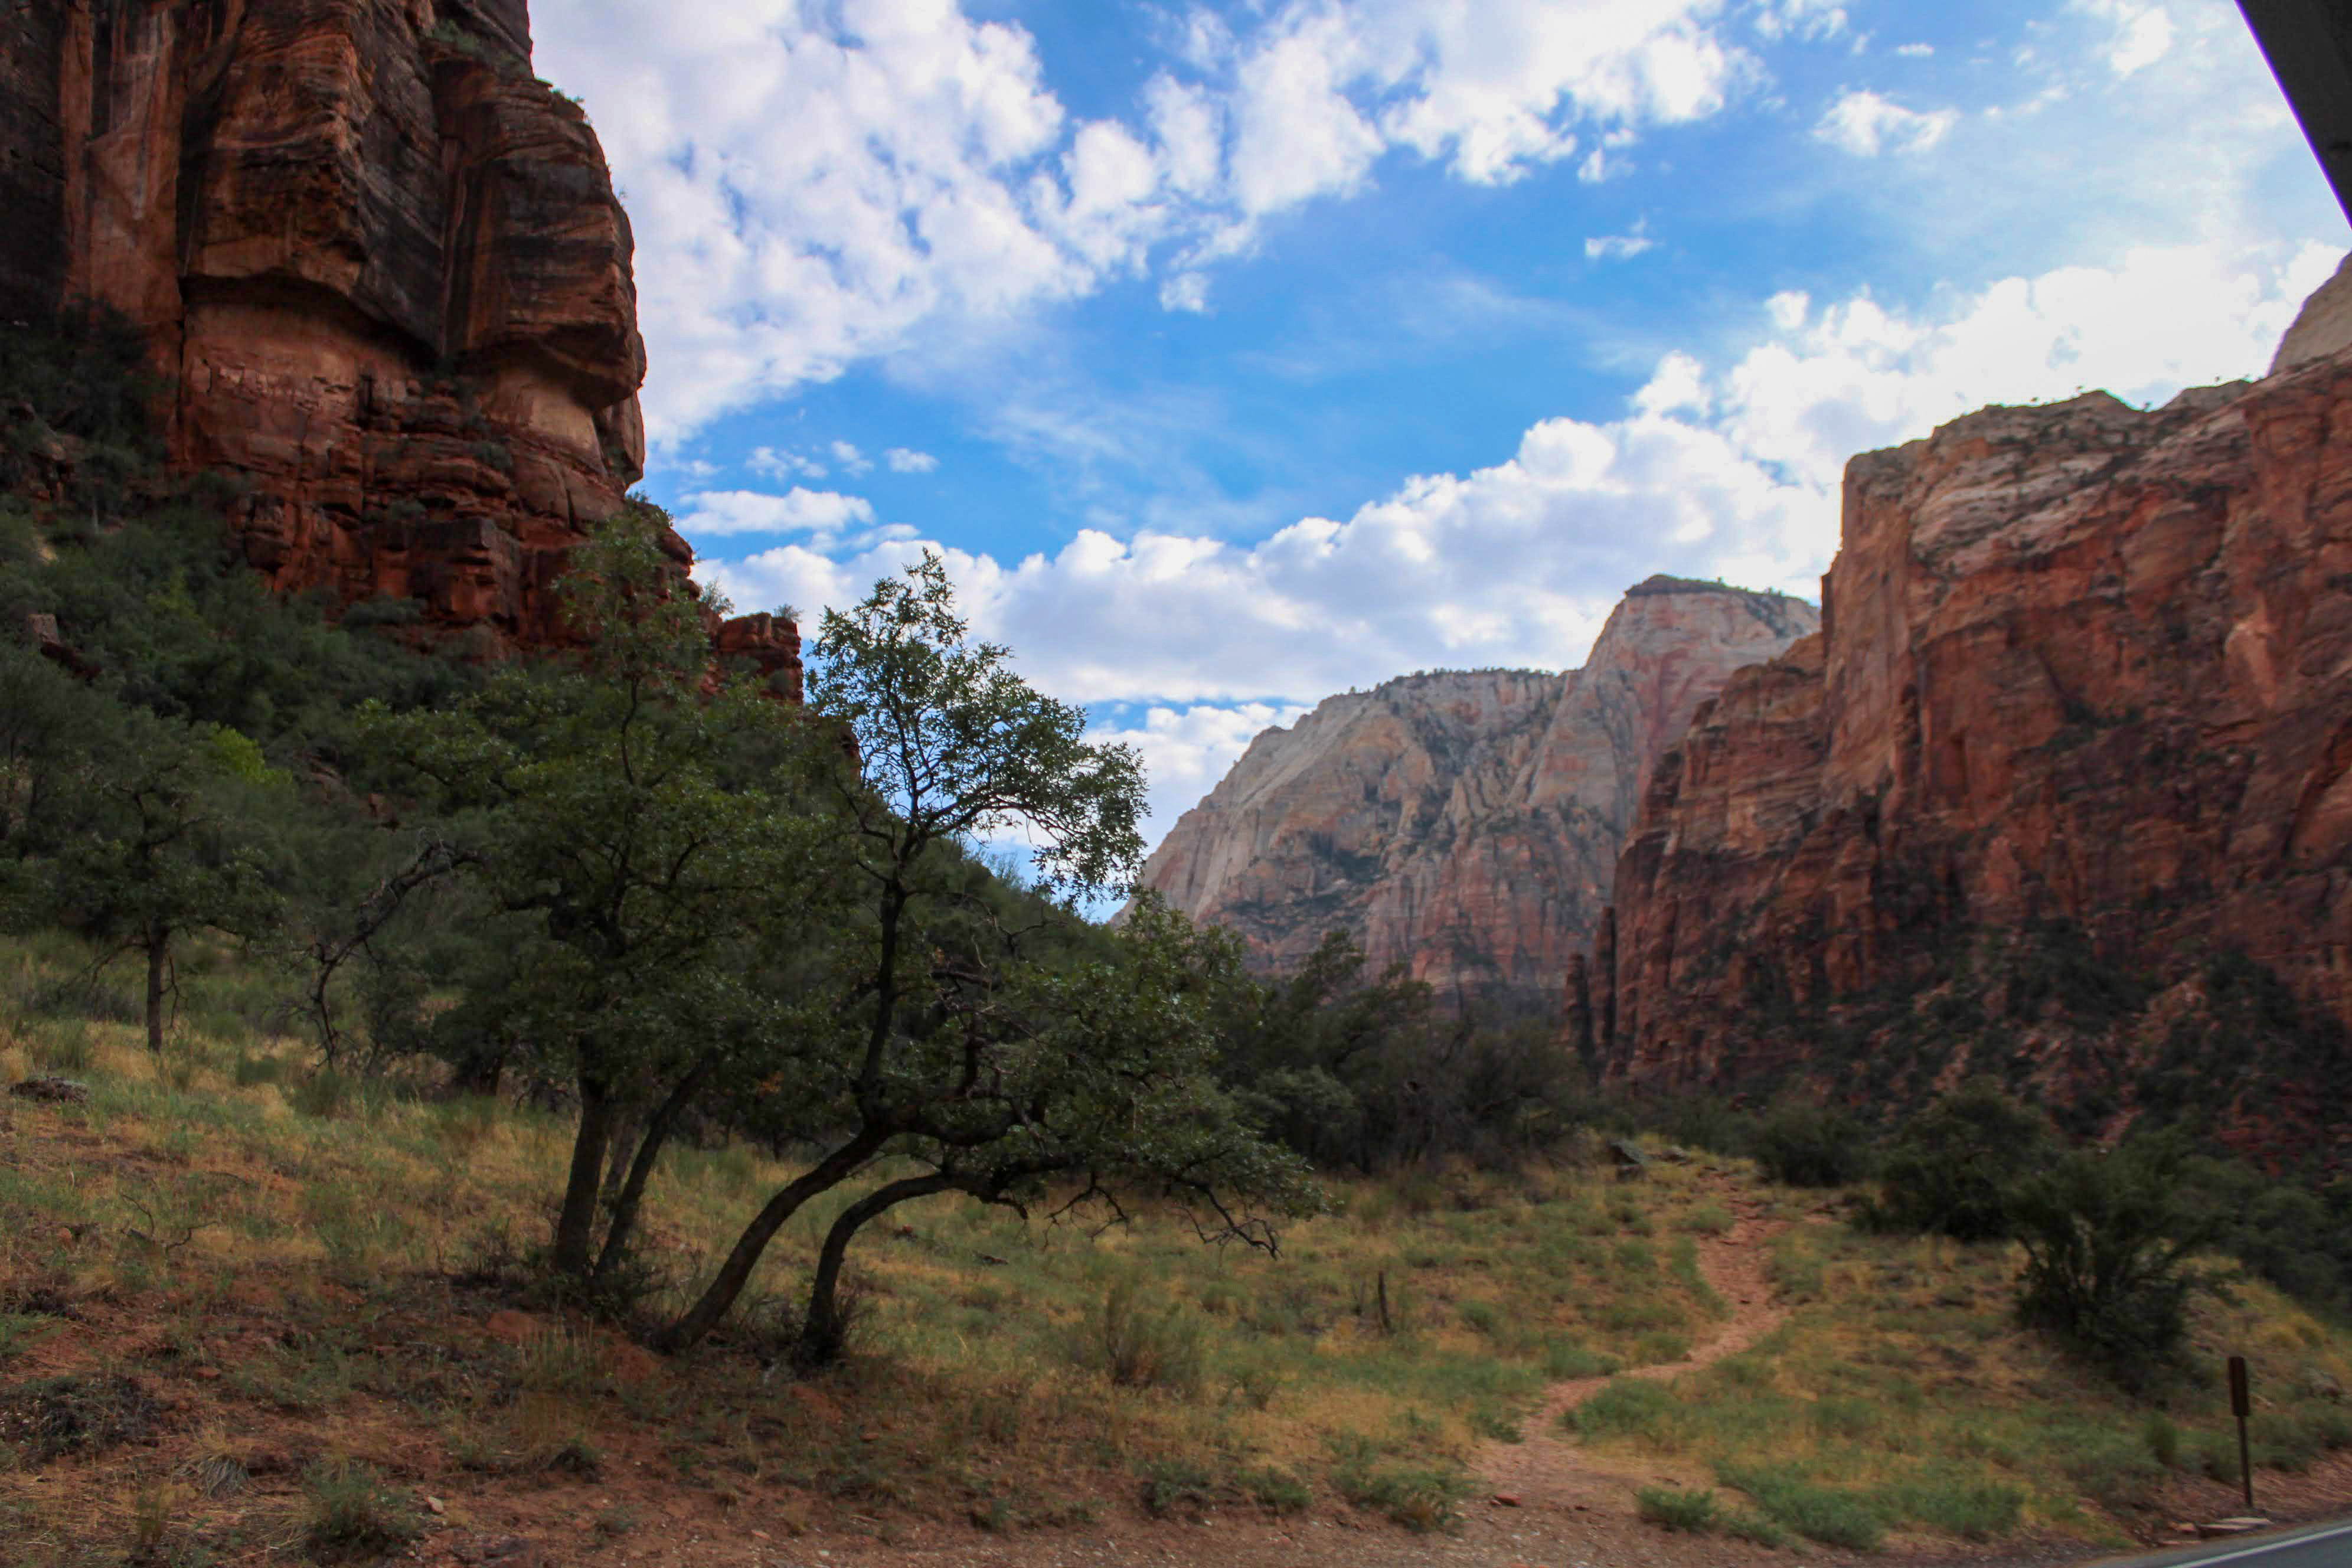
(1950, 1170)
(1138, 1348)
(353, 1514)
(1675, 1509)
(2108, 1238)
(1830, 1515)
(1802, 1145)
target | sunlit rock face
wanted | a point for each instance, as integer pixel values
(2084, 671)
(381, 264)
(1463, 824)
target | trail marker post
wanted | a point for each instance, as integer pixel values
(2242, 1405)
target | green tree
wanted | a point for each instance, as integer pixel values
(1952, 1170)
(628, 833)
(132, 830)
(988, 1041)
(2109, 1238)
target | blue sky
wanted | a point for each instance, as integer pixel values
(1237, 354)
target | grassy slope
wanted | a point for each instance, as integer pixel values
(280, 1264)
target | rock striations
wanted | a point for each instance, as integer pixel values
(382, 266)
(2075, 738)
(1463, 824)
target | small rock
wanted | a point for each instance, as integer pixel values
(1507, 1500)
(434, 1505)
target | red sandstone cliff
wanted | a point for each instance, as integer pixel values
(2070, 760)
(1463, 824)
(381, 264)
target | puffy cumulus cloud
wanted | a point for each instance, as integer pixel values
(1725, 470)
(905, 460)
(1863, 123)
(810, 183)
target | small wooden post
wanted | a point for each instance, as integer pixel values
(2242, 1405)
(1386, 1327)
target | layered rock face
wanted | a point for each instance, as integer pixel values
(381, 266)
(2080, 707)
(1462, 824)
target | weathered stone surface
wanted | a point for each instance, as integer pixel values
(1462, 824)
(2084, 671)
(382, 264)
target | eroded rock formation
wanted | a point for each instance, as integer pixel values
(2062, 790)
(1465, 824)
(381, 266)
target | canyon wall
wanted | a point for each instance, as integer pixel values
(380, 266)
(1463, 824)
(2062, 791)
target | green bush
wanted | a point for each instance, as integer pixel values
(1802, 1145)
(1949, 1172)
(1831, 1515)
(2108, 1240)
(1675, 1509)
(353, 1515)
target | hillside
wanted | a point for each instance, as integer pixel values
(253, 1311)
(1462, 823)
(2062, 792)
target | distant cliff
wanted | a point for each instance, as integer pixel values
(380, 264)
(1465, 824)
(2062, 791)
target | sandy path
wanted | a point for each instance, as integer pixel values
(1546, 1469)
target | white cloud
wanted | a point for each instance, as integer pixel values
(1804, 18)
(2143, 32)
(904, 460)
(811, 184)
(1914, 51)
(713, 514)
(851, 460)
(778, 464)
(1730, 469)
(1865, 124)
(1617, 246)
(1186, 291)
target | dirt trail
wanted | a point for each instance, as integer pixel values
(1546, 1469)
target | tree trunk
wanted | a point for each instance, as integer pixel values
(159, 954)
(698, 1319)
(575, 1227)
(641, 1169)
(822, 1331)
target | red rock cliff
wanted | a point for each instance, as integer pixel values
(1462, 823)
(2075, 738)
(382, 264)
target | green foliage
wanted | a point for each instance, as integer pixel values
(1835, 1515)
(633, 842)
(1357, 1071)
(2108, 1237)
(986, 1035)
(1676, 1507)
(1951, 1169)
(352, 1515)
(1805, 1145)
